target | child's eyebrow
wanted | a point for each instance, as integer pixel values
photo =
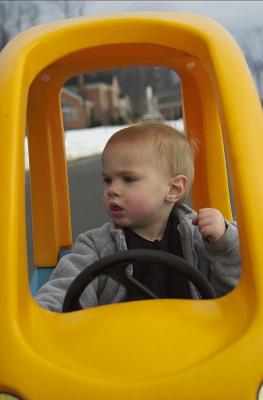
(123, 172)
(128, 172)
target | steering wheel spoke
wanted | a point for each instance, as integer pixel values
(134, 288)
(115, 266)
(137, 289)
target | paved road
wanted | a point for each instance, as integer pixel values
(86, 189)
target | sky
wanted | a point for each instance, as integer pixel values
(236, 16)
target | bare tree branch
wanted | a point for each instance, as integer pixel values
(70, 8)
(15, 16)
(251, 43)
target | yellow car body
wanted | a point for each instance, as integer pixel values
(162, 349)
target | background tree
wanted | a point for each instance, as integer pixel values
(15, 16)
(133, 82)
(251, 43)
(70, 8)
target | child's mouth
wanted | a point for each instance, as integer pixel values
(116, 211)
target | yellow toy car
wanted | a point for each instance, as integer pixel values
(163, 349)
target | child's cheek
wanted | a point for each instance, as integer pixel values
(139, 206)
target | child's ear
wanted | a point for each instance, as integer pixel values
(177, 188)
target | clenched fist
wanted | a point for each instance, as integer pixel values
(211, 223)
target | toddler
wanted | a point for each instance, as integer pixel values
(148, 171)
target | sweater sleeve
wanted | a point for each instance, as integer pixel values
(51, 295)
(224, 259)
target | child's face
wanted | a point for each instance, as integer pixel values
(136, 189)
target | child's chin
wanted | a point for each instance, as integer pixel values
(123, 224)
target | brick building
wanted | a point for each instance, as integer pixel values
(74, 109)
(96, 100)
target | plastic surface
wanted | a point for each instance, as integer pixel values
(160, 349)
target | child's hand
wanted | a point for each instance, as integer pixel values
(210, 223)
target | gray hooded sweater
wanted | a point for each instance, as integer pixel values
(219, 262)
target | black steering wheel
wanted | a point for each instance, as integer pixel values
(115, 266)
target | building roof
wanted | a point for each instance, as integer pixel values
(72, 94)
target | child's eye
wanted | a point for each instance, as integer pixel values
(129, 179)
(106, 180)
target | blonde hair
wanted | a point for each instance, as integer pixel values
(174, 150)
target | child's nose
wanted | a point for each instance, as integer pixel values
(114, 190)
